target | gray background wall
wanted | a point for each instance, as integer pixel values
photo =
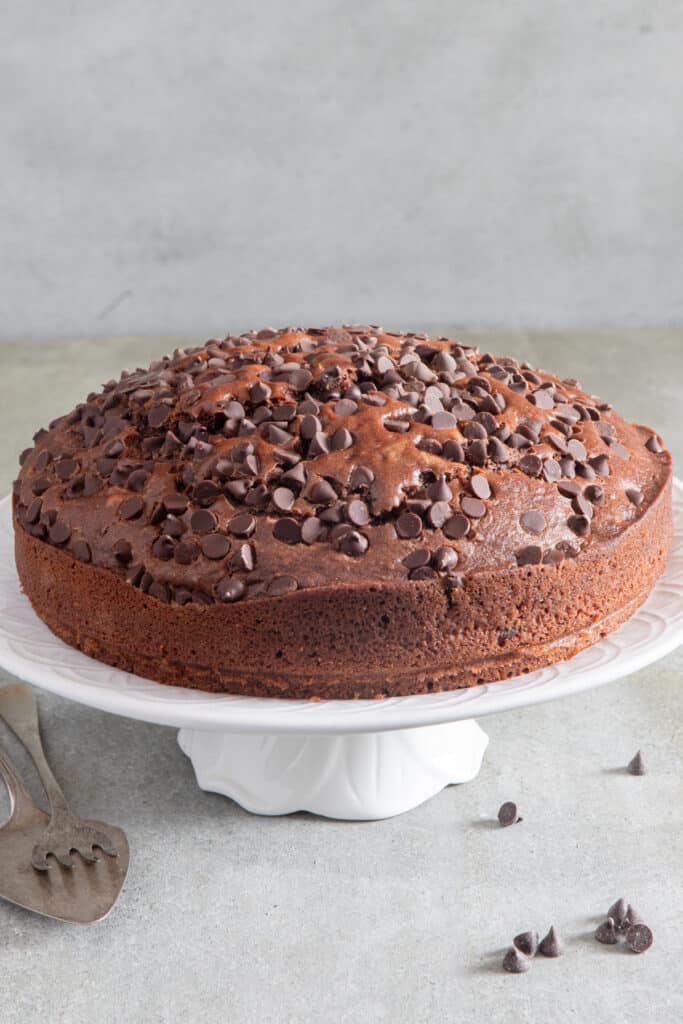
(173, 166)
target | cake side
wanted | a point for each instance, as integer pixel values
(354, 641)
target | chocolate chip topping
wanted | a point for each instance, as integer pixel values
(311, 453)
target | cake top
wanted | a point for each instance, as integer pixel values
(285, 459)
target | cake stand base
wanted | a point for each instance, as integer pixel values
(357, 777)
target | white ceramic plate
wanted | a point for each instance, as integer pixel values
(30, 651)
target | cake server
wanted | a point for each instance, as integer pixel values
(64, 833)
(80, 895)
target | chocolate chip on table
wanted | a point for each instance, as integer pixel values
(636, 765)
(230, 590)
(214, 546)
(131, 508)
(551, 945)
(408, 525)
(515, 962)
(508, 814)
(533, 522)
(639, 938)
(632, 916)
(618, 912)
(607, 932)
(526, 943)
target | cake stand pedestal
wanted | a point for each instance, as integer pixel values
(359, 776)
(357, 760)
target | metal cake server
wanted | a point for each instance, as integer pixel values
(82, 889)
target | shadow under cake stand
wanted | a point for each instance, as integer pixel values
(356, 760)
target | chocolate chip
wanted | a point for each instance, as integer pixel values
(541, 398)
(159, 590)
(439, 490)
(600, 464)
(66, 468)
(163, 547)
(476, 452)
(275, 434)
(283, 499)
(472, 507)
(508, 814)
(516, 962)
(551, 945)
(531, 465)
(579, 524)
(230, 590)
(619, 450)
(636, 765)
(259, 392)
(206, 492)
(311, 528)
(454, 451)
(203, 521)
(322, 493)
(438, 514)
(408, 525)
(214, 545)
(175, 504)
(357, 512)
(32, 514)
(530, 555)
(653, 444)
(618, 912)
(281, 585)
(361, 477)
(353, 544)
(635, 496)
(122, 551)
(480, 486)
(187, 551)
(582, 506)
(457, 526)
(81, 550)
(346, 407)
(595, 494)
(131, 508)
(137, 480)
(397, 426)
(527, 943)
(568, 489)
(157, 415)
(287, 530)
(639, 938)
(341, 440)
(445, 558)
(242, 525)
(418, 558)
(533, 521)
(59, 532)
(552, 471)
(607, 932)
(576, 449)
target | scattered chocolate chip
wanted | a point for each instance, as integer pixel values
(516, 962)
(527, 943)
(618, 912)
(533, 522)
(551, 945)
(639, 938)
(607, 932)
(508, 814)
(636, 765)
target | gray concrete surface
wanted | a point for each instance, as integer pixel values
(166, 164)
(229, 917)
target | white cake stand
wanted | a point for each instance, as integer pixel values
(343, 759)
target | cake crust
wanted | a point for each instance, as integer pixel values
(376, 529)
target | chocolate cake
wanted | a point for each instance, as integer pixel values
(339, 512)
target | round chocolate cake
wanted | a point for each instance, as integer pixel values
(339, 512)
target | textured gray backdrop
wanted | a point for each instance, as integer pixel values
(170, 166)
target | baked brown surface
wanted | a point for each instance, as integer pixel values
(339, 513)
